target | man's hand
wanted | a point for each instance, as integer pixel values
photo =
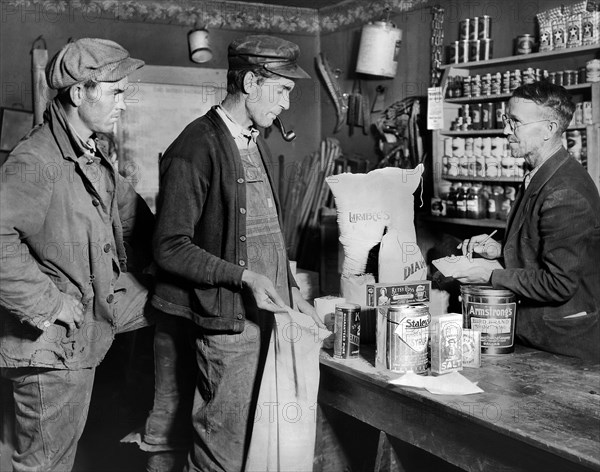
(304, 307)
(263, 291)
(490, 249)
(474, 275)
(71, 313)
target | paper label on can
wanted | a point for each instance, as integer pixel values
(495, 322)
(414, 331)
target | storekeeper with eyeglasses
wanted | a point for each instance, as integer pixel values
(551, 247)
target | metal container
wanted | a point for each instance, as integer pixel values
(525, 44)
(346, 343)
(406, 338)
(485, 27)
(486, 49)
(493, 313)
(465, 29)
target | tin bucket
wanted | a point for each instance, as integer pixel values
(406, 338)
(493, 313)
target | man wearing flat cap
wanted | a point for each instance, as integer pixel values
(67, 226)
(218, 243)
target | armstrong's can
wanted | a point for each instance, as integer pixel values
(407, 337)
(346, 343)
(493, 313)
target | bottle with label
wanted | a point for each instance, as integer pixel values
(461, 201)
(495, 202)
(451, 200)
(473, 202)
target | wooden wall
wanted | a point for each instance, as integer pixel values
(155, 43)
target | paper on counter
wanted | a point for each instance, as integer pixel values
(452, 264)
(449, 384)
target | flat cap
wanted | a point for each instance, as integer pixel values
(275, 54)
(96, 59)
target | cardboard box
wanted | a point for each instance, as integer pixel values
(446, 343)
(407, 293)
(471, 350)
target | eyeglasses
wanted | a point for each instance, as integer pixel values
(513, 126)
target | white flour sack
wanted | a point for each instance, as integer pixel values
(367, 204)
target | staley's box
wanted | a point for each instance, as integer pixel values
(382, 295)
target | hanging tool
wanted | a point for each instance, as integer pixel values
(330, 79)
(39, 59)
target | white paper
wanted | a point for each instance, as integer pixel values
(453, 264)
(447, 384)
(435, 109)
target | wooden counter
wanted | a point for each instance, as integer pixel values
(538, 412)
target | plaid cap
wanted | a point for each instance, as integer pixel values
(275, 54)
(96, 59)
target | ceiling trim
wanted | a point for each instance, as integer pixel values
(212, 14)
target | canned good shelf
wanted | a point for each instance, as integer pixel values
(523, 57)
(472, 132)
(491, 180)
(484, 222)
(506, 96)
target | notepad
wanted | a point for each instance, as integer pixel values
(452, 264)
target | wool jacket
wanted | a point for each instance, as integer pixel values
(56, 236)
(200, 242)
(551, 252)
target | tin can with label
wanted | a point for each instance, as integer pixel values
(465, 29)
(463, 53)
(407, 337)
(491, 312)
(474, 50)
(488, 116)
(485, 27)
(486, 49)
(525, 44)
(474, 29)
(346, 343)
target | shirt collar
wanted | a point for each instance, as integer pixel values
(235, 128)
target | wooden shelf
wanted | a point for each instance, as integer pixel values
(523, 57)
(473, 132)
(490, 180)
(484, 223)
(506, 96)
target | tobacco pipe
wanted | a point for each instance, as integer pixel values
(287, 136)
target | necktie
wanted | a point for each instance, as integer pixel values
(251, 134)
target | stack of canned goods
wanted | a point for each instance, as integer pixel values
(479, 116)
(475, 42)
(484, 157)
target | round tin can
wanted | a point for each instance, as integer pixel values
(485, 27)
(474, 29)
(525, 44)
(463, 51)
(493, 313)
(486, 49)
(474, 46)
(465, 29)
(406, 338)
(347, 331)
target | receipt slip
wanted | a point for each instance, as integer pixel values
(453, 264)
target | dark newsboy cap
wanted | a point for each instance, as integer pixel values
(275, 54)
(96, 59)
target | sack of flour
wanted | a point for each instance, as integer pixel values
(367, 206)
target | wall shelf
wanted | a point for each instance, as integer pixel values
(506, 96)
(484, 222)
(473, 132)
(489, 180)
(524, 57)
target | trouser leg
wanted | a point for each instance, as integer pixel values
(51, 408)
(169, 428)
(228, 365)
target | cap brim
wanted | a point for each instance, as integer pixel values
(120, 71)
(289, 71)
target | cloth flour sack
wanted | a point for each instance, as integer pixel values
(369, 203)
(285, 427)
(400, 259)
